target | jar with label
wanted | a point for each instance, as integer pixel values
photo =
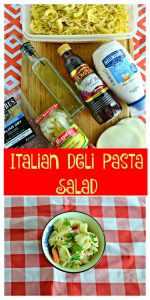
(95, 93)
(60, 130)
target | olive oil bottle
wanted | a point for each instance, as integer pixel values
(56, 85)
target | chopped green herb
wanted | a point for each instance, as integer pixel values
(66, 223)
(77, 248)
(67, 242)
(93, 236)
(71, 236)
(75, 257)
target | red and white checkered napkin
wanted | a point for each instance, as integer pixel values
(121, 271)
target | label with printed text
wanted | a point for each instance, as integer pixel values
(88, 83)
(72, 137)
(17, 130)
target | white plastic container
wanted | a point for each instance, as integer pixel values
(119, 71)
(26, 18)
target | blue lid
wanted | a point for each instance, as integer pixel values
(139, 104)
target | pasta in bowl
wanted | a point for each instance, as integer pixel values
(73, 242)
(67, 19)
(76, 23)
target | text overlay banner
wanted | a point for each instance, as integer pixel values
(75, 172)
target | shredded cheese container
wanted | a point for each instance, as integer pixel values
(60, 130)
(26, 19)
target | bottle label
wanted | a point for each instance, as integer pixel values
(119, 66)
(17, 129)
(72, 138)
(88, 83)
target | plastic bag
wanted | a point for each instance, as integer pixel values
(20, 130)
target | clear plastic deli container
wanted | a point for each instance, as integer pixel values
(26, 18)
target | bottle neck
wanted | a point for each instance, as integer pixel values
(72, 61)
(30, 52)
(67, 54)
(33, 58)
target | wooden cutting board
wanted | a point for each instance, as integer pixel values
(41, 100)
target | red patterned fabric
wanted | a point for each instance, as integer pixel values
(121, 271)
(140, 41)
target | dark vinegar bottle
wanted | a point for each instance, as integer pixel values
(97, 96)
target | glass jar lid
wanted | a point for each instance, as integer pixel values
(47, 113)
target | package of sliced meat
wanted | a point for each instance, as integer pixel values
(20, 130)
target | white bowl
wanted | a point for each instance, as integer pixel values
(26, 18)
(93, 226)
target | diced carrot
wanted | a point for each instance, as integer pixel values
(55, 255)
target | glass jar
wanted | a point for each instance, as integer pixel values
(60, 130)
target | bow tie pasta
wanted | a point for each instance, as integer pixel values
(72, 245)
(67, 19)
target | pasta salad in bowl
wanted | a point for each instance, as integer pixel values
(73, 242)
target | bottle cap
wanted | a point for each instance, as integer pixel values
(63, 48)
(47, 113)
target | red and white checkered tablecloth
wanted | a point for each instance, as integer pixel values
(27, 272)
(121, 271)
